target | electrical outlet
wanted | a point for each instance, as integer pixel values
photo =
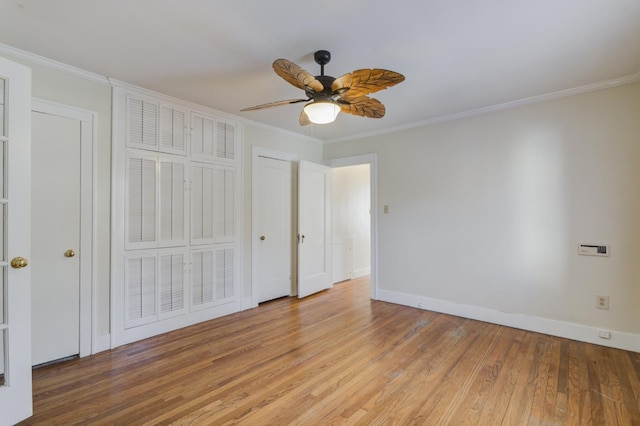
(602, 302)
(604, 334)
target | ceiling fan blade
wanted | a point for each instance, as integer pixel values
(363, 106)
(296, 75)
(304, 118)
(275, 104)
(365, 81)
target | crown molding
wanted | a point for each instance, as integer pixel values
(634, 78)
(41, 60)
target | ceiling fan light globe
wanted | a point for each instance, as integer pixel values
(322, 112)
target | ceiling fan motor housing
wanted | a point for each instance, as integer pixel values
(326, 81)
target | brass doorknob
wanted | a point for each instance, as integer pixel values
(19, 262)
(69, 253)
(262, 237)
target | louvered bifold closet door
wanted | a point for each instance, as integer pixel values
(225, 142)
(224, 182)
(173, 202)
(202, 203)
(172, 130)
(140, 287)
(202, 279)
(141, 123)
(202, 137)
(140, 200)
(172, 283)
(225, 277)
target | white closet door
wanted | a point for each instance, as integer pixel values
(224, 205)
(225, 141)
(140, 216)
(224, 273)
(202, 202)
(141, 123)
(212, 276)
(172, 284)
(172, 129)
(202, 279)
(140, 284)
(202, 136)
(173, 206)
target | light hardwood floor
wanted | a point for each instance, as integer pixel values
(339, 358)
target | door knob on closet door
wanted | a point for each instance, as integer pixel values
(69, 253)
(262, 238)
(19, 262)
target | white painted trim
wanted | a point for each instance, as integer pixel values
(362, 272)
(258, 151)
(88, 191)
(568, 330)
(634, 78)
(102, 343)
(372, 160)
(41, 60)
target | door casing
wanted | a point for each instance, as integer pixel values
(372, 160)
(87, 214)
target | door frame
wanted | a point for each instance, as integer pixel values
(258, 151)
(88, 225)
(372, 161)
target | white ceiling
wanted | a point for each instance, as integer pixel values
(457, 55)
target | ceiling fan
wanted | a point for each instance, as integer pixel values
(327, 96)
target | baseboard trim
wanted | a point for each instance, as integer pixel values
(102, 343)
(363, 272)
(580, 332)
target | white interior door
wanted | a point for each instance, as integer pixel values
(15, 198)
(55, 230)
(272, 228)
(314, 228)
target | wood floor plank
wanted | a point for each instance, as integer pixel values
(339, 358)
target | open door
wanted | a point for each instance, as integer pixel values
(15, 233)
(314, 228)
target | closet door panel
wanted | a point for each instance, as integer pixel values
(141, 123)
(202, 279)
(172, 283)
(203, 137)
(225, 274)
(173, 202)
(225, 204)
(172, 130)
(225, 142)
(140, 289)
(140, 201)
(202, 203)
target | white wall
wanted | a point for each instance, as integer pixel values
(485, 213)
(350, 216)
(71, 89)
